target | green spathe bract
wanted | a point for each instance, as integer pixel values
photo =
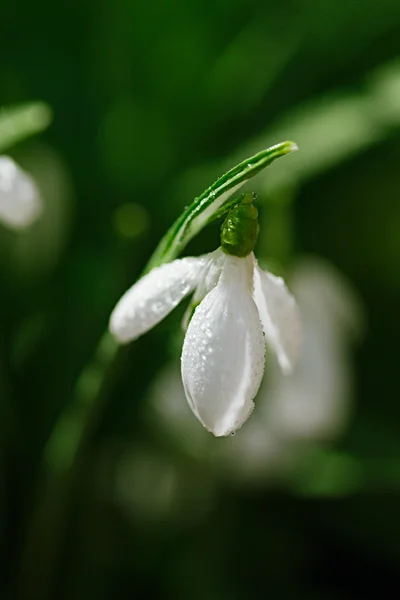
(240, 229)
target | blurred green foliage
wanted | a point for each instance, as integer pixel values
(151, 102)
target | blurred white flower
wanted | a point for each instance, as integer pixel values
(20, 201)
(313, 402)
(223, 355)
(308, 406)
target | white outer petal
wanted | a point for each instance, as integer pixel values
(154, 296)
(223, 353)
(207, 281)
(280, 316)
(20, 202)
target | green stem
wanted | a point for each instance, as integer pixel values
(69, 430)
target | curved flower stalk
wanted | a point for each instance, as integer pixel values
(235, 304)
(20, 201)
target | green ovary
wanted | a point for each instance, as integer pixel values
(240, 229)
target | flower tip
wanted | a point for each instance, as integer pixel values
(117, 329)
(224, 424)
(291, 147)
(219, 432)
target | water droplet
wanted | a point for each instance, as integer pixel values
(157, 307)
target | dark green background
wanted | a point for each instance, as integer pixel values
(142, 94)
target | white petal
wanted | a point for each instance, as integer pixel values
(279, 315)
(224, 352)
(207, 281)
(20, 202)
(155, 295)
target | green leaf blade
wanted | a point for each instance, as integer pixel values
(22, 121)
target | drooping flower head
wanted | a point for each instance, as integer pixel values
(236, 309)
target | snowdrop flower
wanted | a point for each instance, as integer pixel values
(20, 202)
(234, 305)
